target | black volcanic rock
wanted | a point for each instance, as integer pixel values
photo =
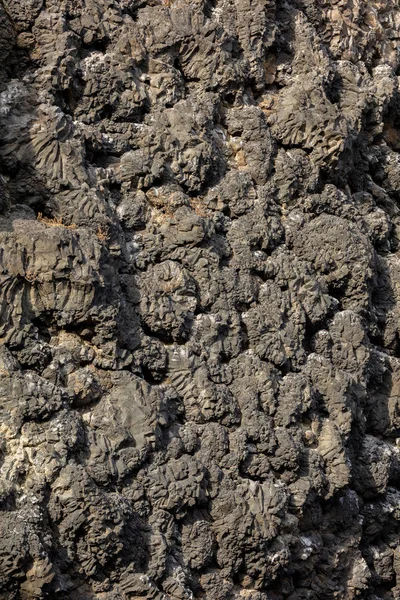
(199, 299)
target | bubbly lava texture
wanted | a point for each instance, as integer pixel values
(199, 299)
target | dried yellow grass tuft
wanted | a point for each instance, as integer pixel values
(54, 222)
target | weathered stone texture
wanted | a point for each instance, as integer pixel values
(199, 299)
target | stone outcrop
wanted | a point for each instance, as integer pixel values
(199, 299)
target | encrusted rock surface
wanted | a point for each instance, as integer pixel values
(199, 299)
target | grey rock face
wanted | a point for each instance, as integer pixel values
(199, 299)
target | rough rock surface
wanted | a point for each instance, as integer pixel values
(199, 299)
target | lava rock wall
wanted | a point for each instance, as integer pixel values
(199, 299)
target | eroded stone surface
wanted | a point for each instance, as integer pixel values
(199, 300)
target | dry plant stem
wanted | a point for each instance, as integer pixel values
(54, 222)
(102, 234)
